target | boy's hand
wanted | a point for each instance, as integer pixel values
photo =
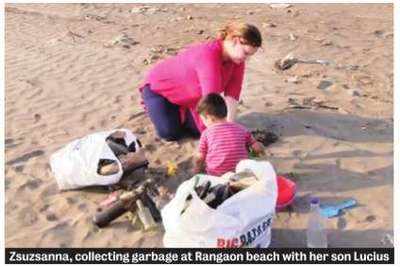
(198, 164)
(258, 148)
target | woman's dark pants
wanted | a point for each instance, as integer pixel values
(166, 117)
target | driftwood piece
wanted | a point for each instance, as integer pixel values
(108, 169)
(117, 148)
(133, 160)
(129, 162)
(243, 183)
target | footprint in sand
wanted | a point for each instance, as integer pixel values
(150, 148)
(31, 184)
(19, 167)
(82, 207)
(11, 206)
(44, 207)
(25, 157)
(51, 217)
(27, 216)
(10, 143)
(7, 183)
(49, 190)
(53, 234)
(37, 117)
(71, 200)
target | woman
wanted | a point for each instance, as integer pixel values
(174, 86)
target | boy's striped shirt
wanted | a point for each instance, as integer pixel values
(223, 145)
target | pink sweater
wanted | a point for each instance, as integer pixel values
(193, 73)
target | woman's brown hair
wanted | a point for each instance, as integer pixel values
(248, 32)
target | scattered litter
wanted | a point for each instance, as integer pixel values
(280, 6)
(363, 80)
(327, 107)
(331, 210)
(327, 43)
(370, 218)
(74, 35)
(309, 103)
(324, 84)
(322, 62)
(293, 79)
(289, 61)
(145, 9)
(123, 39)
(379, 33)
(354, 92)
(159, 52)
(292, 37)
(286, 63)
(268, 25)
(137, 10)
(96, 17)
(138, 200)
(347, 67)
(171, 168)
(264, 137)
(387, 240)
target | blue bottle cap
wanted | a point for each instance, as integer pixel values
(314, 201)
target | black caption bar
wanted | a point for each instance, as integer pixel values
(195, 256)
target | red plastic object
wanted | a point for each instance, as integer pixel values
(286, 192)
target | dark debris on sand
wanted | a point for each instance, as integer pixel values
(264, 137)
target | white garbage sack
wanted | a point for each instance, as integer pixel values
(243, 220)
(75, 165)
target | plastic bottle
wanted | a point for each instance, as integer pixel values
(316, 233)
(145, 216)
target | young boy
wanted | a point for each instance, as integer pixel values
(223, 144)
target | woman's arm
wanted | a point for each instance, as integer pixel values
(231, 104)
(232, 91)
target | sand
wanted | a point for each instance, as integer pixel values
(70, 72)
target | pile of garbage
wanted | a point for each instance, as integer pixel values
(215, 195)
(233, 210)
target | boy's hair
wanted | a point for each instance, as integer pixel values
(214, 105)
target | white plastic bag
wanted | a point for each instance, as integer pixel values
(75, 165)
(243, 220)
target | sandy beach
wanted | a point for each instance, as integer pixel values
(74, 69)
